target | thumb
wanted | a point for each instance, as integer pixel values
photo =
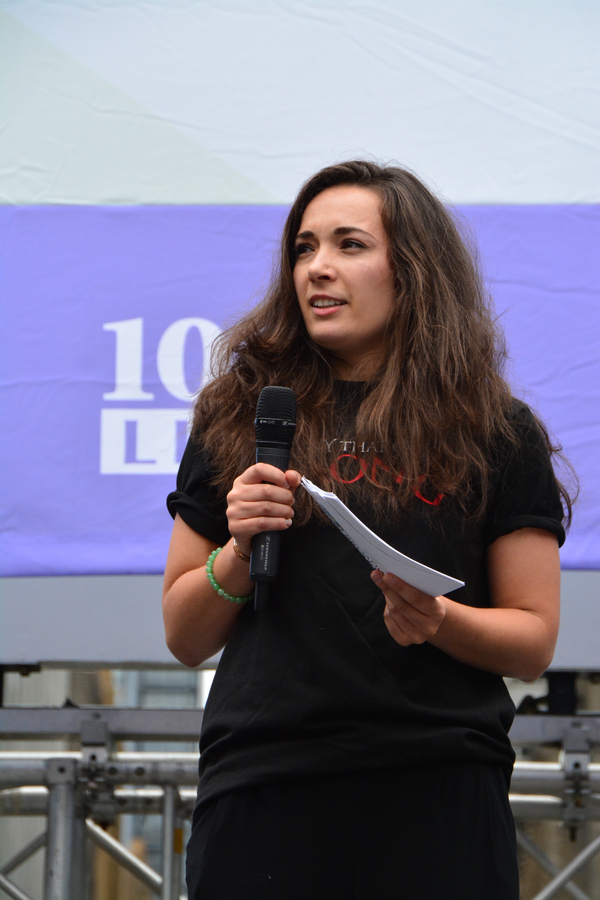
(293, 478)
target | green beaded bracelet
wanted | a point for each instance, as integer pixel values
(215, 584)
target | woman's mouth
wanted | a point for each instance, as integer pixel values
(325, 302)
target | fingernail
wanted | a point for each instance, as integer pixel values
(376, 576)
(288, 522)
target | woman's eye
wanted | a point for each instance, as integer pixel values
(351, 244)
(301, 249)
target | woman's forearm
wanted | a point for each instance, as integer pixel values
(515, 643)
(198, 620)
(515, 636)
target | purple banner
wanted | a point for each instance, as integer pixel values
(108, 313)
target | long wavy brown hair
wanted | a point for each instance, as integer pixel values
(439, 401)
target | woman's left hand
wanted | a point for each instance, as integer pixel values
(515, 635)
(410, 616)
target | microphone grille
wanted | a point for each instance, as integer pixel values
(276, 403)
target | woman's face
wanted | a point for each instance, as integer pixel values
(343, 278)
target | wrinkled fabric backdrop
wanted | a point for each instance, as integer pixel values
(149, 153)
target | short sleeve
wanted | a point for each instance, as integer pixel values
(524, 491)
(196, 498)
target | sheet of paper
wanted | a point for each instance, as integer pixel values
(377, 552)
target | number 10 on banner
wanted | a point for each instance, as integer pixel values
(149, 441)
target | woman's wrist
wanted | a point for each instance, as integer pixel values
(240, 553)
(218, 588)
(231, 572)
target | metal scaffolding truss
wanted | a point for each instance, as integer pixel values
(80, 792)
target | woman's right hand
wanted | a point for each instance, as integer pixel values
(198, 621)
(261, 499)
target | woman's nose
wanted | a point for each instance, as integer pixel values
(321, 266)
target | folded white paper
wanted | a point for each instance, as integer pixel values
(377, 552)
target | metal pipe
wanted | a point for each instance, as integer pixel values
(24, 801)
(15, 772)
(152, 757)
(178, 850)
(62, 778)
(165, 773)
(37, 755)
(27, 801)
(557, 883)
(548, 778)
(540, 778)
(12, 890)
(25, 768)
(23, 855)
(137, 756)
(81, 869)
(546, 863)
(168, 826)
(127, 860)
(150, 800)
(61, 816)
(528, 806)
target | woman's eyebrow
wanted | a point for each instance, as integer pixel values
(346, 229)
(340, 230)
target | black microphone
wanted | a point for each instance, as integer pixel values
(275, 425)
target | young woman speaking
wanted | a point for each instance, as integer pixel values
(355, 741)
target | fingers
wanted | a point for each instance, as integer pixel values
(264, 472)
(293, 478)
(261, 499)
(263, 490)
(397, 588)
(410, 616)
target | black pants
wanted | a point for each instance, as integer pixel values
(423, 833)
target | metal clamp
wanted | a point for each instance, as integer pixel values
(575, 758)
(95, 740)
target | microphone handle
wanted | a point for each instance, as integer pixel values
(264, 559)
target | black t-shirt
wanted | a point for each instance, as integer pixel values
(315, 684)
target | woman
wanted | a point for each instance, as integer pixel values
(355, 740)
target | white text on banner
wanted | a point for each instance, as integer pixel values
(142, 441)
